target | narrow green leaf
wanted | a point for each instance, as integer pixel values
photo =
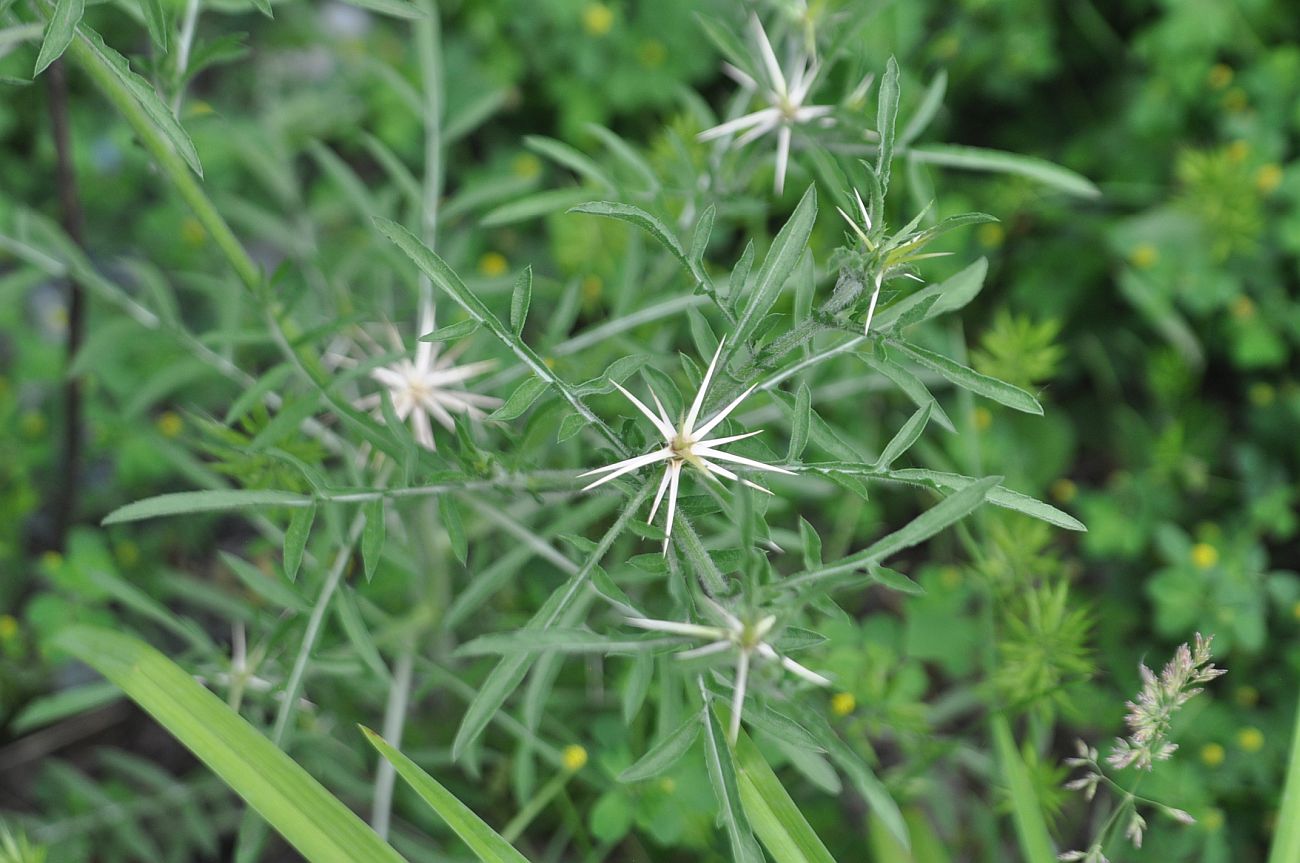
(321, 828)
(665, 753)
(520, 300)
(643, 220)
(722, 775)
(952, 508)
(969, 379)
(700, 236)
(184, 502)
(452, 332)
(787, 247)
(1027, 812)
(486, 843)
(577, 162)
(556, 640)
(1286, 842)
(532, 206)
(59, 32)
(906, 436)
(271, 381)
(264, 585)
(800, 420)
(156, 20)
(930, 104)
(295, 539)
(520, 400)
(627, 154)
(886, 117)
(449, 510)
(999, 496)
(264, 6)
(910, 384)
(981, 159)
(786, 834)
(156, 111)
(372, 537)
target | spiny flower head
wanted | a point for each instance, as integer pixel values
(428, 386)
(748, 638)
(686, 443)
(785, 96)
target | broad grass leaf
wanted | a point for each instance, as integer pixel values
(313, 821)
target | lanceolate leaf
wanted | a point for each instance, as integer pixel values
(722, 775)
(906, 436)
(643, 220)
(886, 117)
(156, 20)
(488, 845)
(520, 299)
(184, 502)
(967, 378)
(919, 529)
(665, 753)
(321, 828)
(980, 159)
(789, 245)
(59, 32)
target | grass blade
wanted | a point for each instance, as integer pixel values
(487, 845)
(321, 828)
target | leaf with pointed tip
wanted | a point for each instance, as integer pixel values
(886, 117)
(784, 830)
(295, 539)
(372, 537)
(646, 222)
(906, 436)
(392, 8)
(59, 32)
(488, 845)
(451, 332)
(722, 775)
(664, 753)
(449, 511)
(314, 822)
(156, 21)
(800, 420)
(981, 159)
(264, 585)
(787, 248)
(185, 502)
(562, 154)
(967, 378)
(520, 299)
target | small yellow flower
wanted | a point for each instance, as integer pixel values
(1262, 394)
(983, 419)
(192, 233)
(33, 423)
(8, 627)
(1212, 820)
(1144, 256)
(169, 424)
(1243, 308)
(1238, 150)
(493, 264)
(668, 785)
(651, 53)
(51, 560)
(1235, 100)
(1220, 76)
(1250, 739)
(128, 553)
(1247, 696)
(990, 235)
(574, 757)
(1295, 611)
(592, 287)
(947, 46)
(1204, 555)
(843, 703)
(526, 166)
(1268, 178)
(597, 19)
(950, 577)
(1064, 490)
(1213, 754)
(199, 108)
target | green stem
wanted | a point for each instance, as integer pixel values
(1286, 843)
(172, 165)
